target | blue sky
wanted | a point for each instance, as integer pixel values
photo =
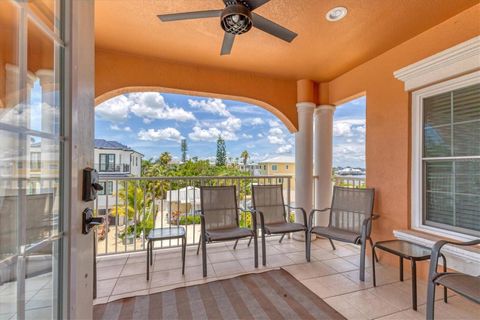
(153, 122)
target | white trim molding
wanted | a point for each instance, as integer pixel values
(460, 59)
(417, 152)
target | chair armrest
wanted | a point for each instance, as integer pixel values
(310, 216)
(437, 247)
(304, 213)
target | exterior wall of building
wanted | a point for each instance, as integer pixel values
(118, 72)
(388, 116)
(278, 169)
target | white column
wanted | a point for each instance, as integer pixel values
(304, 160)
(323, 154)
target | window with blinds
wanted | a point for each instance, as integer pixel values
(451, 160)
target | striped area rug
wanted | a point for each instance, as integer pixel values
(269, 295)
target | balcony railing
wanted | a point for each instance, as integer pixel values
(348, 181)
(115, 168)
(137, 205)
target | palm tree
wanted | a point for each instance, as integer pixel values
(244, 157)
(165, 158)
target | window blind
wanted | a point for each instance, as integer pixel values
(451, 160)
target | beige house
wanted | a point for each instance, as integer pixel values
(279, 166)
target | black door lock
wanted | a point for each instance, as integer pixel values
(89, 221)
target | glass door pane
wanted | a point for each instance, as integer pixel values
(30, 171)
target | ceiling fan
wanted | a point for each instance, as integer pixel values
(236, 18)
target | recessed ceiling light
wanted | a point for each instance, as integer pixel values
(336, 14)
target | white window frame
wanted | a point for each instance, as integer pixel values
(417, 152)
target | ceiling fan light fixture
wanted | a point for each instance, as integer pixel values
(336, 14)
(236, 19)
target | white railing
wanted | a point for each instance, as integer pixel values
(341, 181)
(136, 205)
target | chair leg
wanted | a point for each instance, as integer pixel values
(184, 251)
(249, 241)
(307, 244)
(309, 247)
(199, 243)
(281, 238)
(362, 261)
(204, 257)
(235, 245)
(430, 300)
(255, 249)
(371, 246)
(264, 254)
(331, 242)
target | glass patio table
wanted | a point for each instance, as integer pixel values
(410, 251)
(165, 234)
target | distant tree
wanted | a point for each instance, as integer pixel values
(244, 157)
(221, 152)
(165, 158)
(184, 150)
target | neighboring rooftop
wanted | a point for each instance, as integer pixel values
(112, 145)
(279, 159)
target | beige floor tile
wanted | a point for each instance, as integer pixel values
(370, 305)
(111, 260)
(332, 285)
(109, 272)
(105, 287)
(130, 284)
(140, 257)
(248, 264)
(277, 260)
(287, 247)
(355, 259)
(221, 256)
(322, 254)
(100, 300)
(340, 265)
(309, 270)
(167, 264)
(227, 268)
(134, 268)
(194, 260)
(345, 251)
(299, 257)
(243, 253)
(345, 308)
(166, 277)
(456, 308)
(196, 273)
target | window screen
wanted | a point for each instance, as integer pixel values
(451, 160)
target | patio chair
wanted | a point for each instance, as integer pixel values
(463, 284)
(268, 203)
(351, 216)
(219, 220)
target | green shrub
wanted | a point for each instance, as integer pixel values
(185, 220)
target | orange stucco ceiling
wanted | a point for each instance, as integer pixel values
(322, 51)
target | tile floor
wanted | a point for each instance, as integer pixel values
(332, 275)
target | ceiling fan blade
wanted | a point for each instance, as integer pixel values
(254, 4)
(190, 15)
(272, 28)
(227, 43)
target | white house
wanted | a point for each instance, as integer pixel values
(114, 160)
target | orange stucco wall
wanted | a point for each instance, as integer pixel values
(118, 72)
(388, 115)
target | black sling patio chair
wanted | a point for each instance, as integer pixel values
(351, 215)
(465, 285)
(219, 220)
(268, 203)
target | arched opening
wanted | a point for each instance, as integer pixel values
(154, 150)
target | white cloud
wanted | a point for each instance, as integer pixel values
(149, 106)
(247, 136)
(211, 134)
(117, 128)
(171, 134)
(260, 135)
(152, 106)
(215, 106)
(276, 136)
(254, 121)
(287, 148)
(347, 128)
(114, 110)
(231, 124)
